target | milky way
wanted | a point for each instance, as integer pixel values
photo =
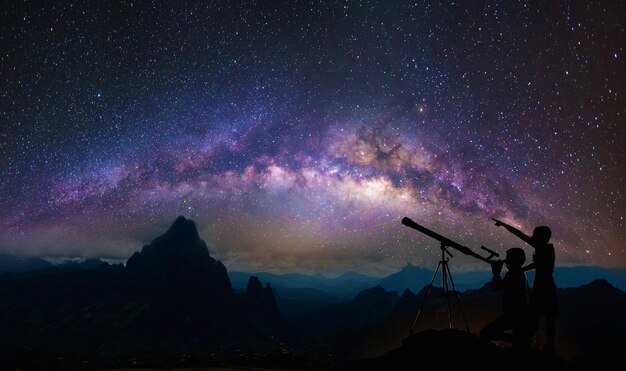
(298, 135)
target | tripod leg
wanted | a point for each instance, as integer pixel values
(458, 300)
(430, 287)
(444, 286)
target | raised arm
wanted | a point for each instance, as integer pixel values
(514, 230)
(529, 267)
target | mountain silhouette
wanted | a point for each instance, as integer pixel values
(16, 264)
(188, 292)
(591, 324)
(414, 278)
(593, 318)
(261, 303)
(370, 306)
(86, 264)
(177, 262)
(410, 277)
(172, 296)
(346, 285)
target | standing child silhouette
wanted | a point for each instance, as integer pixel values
(543, 301)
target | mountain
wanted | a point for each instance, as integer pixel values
(581, 275)
(86, 264)
(368, 307)
(188, 291)
(591, 321)
(16, 264)
(290, 280)
(410, 277)
(414, 278)
(171, 297)
(299, 304)
(260, 303)
(592, 317)
(20, 264)
(177, 262)
(346, 285)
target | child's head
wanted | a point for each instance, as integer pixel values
(542, 234)
(515, 258)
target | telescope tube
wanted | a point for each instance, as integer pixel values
(444, 241)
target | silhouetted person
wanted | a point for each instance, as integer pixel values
(514, 315)
(543, 301)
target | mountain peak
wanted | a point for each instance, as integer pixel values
(413, 268)
(598, 289)
(254, 286)
(183, 229)
(178, 260)
(374, 294)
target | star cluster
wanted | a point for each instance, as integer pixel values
(297, 135)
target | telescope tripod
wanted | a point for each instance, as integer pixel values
(445, 276)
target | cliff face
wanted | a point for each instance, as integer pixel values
(261, 303)
(177, 262)
(188, 292)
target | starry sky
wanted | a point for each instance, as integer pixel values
(298, 134)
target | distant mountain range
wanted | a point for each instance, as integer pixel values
(173, 300)
(414, 278)
(17, 264)
(349, 284)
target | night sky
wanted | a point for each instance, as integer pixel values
(298, 135)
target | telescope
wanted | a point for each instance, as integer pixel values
(446, 274)
(445, 242)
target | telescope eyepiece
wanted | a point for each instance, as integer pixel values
(493, 253)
